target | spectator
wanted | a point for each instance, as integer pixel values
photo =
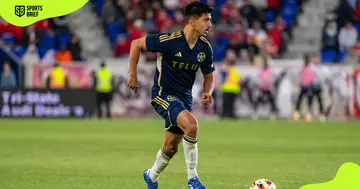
(344, 13)
(276, 37)
(229, 10)
(179, 22)
(137, 31)
(274, 5)
(330, 37)
(42, 25)
(109, 10)
(253, 49)
(271, 48)
(49, 57)
(31, 56)
(75, 49)
(352, 3)
(7, 79)
(31, 36)
(122, 46)
(223, 28)
(258, 33)
(356, 16)
(163, 21)
(63, 56)
(249, 11)
(149, 23)
(347, 37)
(60, 24)
(171, 5)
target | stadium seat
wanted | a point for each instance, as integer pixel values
(220, 2)
(328, 56)
(99, 4)
(64, 39)
(357, 26)
(114, 29)
(42, 52)
(269, 16)
(8, 38)
(19, 51)
(219, 53)
(222, 41)
(342, 55)
(47, 41)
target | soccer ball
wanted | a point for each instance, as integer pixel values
(263, 184)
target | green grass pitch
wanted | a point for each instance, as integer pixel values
(91, 154)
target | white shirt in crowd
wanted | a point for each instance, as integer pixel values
(347, 37)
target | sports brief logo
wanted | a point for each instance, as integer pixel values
(19, 10)
(171, 98)
(201, 57)
(29, 10)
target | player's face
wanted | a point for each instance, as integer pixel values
(203, 24)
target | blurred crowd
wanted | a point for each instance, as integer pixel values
(340, 35)
(241, 25)
(247, 27)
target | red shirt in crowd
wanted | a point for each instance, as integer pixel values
(273, 3)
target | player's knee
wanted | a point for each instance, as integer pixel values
(192, 128)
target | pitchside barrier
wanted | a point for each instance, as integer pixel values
(43, 103)
(341, 89)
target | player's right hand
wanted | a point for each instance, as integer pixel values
(133, 83)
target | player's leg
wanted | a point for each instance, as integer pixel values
(189, 125)
(272, 105)
(187, 122)
(98, 105)
(107, 104)
(310, 95)
(165, 154)
(296, 115)
(173, 137)
(317, 94)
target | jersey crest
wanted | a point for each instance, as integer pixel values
(201, 57)
(171, 98)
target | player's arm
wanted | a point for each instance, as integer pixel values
(151, 43)
(137, 46)
(208, 68)
(209, 83)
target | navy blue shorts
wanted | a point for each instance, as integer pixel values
(169, 106)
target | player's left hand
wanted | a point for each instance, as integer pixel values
(206, 98)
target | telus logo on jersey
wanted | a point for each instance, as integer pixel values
(185, 66)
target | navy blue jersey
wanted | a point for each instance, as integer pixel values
(178, 63)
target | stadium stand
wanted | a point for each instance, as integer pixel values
(340, 34)
(250, 28)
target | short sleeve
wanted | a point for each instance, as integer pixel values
(155, 44)
(207, 66)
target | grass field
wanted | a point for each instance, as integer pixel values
(90, 154)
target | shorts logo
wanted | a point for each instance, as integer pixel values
(171, 98)
(19, 10)
(201, 57)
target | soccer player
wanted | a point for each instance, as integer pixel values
(182, 53)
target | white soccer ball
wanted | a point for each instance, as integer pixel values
(263, 184)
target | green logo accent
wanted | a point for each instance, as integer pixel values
(171, 98)
(25, 12)
(346, 177)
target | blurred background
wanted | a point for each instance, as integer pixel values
(263, 49)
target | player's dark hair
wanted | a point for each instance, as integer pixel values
(196, 9)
